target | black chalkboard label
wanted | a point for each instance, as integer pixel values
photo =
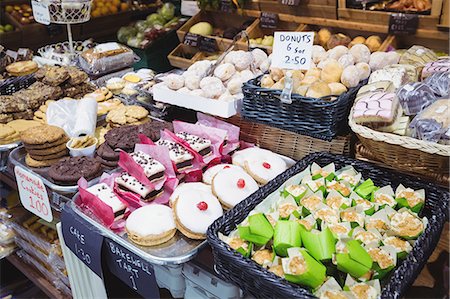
(208, 44)
(290, 2)
(268, 20)
(403, 24)
(137, 273)
(227, 6)
(191, 39)
(83, 239)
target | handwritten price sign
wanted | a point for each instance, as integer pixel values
(33, 194)
(40, 12)
(292, 50)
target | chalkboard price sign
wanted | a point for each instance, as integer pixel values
(403, 24)
(268, 20)
(137, 273)
(191, 39)
(207, 44)
(84, 240)
(290, 2)
(227, 6)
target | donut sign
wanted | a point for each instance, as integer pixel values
(292, 50)
(33, 194)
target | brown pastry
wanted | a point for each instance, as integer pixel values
(76, 76)
(42, 134)
(55, 76)
(22, 68)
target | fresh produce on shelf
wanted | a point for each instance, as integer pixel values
(418, 6)
(23, 13)
(6, 28)
(207, 29)
(328, 40)
(202, 28)
(142, 33)
(108, 7)
(315, 231)
(267, 40)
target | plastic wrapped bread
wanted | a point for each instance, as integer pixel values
(414, 97)
(433, 123)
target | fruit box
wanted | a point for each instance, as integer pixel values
(220, 23)
(256, 31)
(311, 8)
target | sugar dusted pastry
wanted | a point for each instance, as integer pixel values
(350, 76)
(200, 68)
(192, 81)
(151, 225)
(212, 87)
(228, 97)
(318, 54)
(276, 74)
(337, 52)
(308, 80)
(259, 57)
(364, 70)
(234, 86)
(346, 60)
(197, 92)
(264, 67)
(360, 52)
(313, 72)
(174, 81)
(224, 71)
(242, 60)
(246, 75)
(184, 90)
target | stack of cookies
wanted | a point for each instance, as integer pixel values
(45, 145)
(105, 100)
(127, 115)
(67, 171)
(8, 134)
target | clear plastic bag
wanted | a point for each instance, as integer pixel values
(106, 58)
(433, 123)
(414, 97)
(439, 83)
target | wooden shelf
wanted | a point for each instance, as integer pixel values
(36, 277)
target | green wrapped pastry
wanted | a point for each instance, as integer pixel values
(276, 267)
(406, 224)
(327, 172)
(350, 175)
(369, 237)
(296, 191)
(314, 185)
(258, 231)
(354, 215)
(408, 198)
(384, 196)
(384, 260)
(235, 242)
(339, 230)
(302, 268)
(336, 201)
(287, 234)
(288, 206)
(325, 214)
(342, 187)
(331, 290)
(353, 259)
(263, 257)
(378, 221)
(364, 204)
(402, 247)
(363, 290)
(320, 244)
(310, 202)
(308, 222)
(366, 188)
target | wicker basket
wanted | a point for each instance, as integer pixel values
(362, 153)
(287, 143)
(316, 117)
(403, 152)
(69, 12)
(259, 282)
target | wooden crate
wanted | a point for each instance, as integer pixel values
(405, 42)
(445, 17)
(219, 20)
(352, 33)
(382, 17)
(11, 40)
(255, 31)
(105, 26)
(311, 8)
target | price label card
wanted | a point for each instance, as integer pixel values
(290, 2)
(292, 50)
(137, 273)
(403, 24)
(40, 12)
(33, 194)
(208, 44)
(268, 20)
(191, 39)
(83, 239)
(189, 8)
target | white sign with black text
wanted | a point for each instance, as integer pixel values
(292, 50)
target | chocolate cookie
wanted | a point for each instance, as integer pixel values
(107, 153)
(126, 137)
(106, 163)
(69, 170)
(42, 134)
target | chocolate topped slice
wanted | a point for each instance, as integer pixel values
(198, 144)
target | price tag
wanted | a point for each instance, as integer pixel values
(189, 8)
(403, 24)
(268, 20)
(227, 6)
(191, 39)
(40, 12)
(208, 44)
(292, 50)
(131, 269)
(290, 2)
(33, 194)
(83, 239)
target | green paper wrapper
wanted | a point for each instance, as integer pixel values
(342, 187)
(401, 247)
(238, 244)
(357, 262)
(258, 231)
(287, 207)
(350, 175)
(302, 268)
(384, 196)
(363, 290)
(365, 189)
(416, 198)
(311, 202)
(287, 234)
(326, 172)
(321, 245)
(296, 191)
(384, 260)
(337, 201)
(407, 225)
(365, 205)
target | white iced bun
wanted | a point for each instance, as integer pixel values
(174, 81)
(212, 87)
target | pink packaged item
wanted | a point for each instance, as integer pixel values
(438, 66)
(231, 142)
(206, 141)
(102, 202)
(378, 108)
